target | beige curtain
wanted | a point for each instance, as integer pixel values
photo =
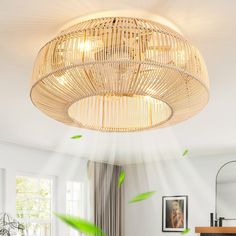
(106, 198)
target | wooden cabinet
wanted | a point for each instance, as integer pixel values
(216, 231)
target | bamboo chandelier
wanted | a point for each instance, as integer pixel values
(119, 74)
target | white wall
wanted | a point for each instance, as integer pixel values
(194, 177)
(16, 159)
(227, 199)
(1, 189)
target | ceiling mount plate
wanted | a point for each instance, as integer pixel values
(123, 13)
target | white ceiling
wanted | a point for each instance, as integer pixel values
(26, 25)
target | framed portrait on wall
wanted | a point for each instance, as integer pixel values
(174, 213)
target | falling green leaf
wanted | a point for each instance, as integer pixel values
(81, 225)
(185, 231)
(121, 178)
(185, 152)
(76, 137)
(142, 196)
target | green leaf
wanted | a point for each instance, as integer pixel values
(121, 178)
(185, 231)
(142, 196)
(76, 137)
(81, 225)
(186, 151)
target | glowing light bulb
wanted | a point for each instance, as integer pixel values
(85, 46)
(61, 80)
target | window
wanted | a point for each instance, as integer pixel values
(75, 202)
(34, 204)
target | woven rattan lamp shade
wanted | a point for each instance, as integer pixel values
(119, 74)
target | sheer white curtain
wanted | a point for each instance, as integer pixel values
(106, 198)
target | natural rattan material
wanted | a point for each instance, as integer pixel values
(119, 74)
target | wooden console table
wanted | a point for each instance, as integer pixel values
(216, 231)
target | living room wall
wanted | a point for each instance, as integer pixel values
(194, 177)
(16, 160)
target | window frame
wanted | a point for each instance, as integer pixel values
(85, 199)
(53, 198)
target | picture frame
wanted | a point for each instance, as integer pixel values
(174, 213)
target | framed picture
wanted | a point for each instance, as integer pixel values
(174, 213)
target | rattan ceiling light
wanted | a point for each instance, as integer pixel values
(119, 74)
